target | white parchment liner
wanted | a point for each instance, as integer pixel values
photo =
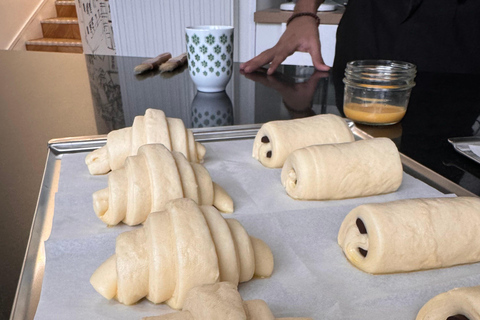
(312, 278)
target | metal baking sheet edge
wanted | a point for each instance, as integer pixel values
(462, 145)
(30, 282)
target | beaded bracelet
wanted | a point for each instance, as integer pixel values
(301, 14)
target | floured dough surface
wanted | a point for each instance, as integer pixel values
(220, 301)
(277, 139)
(412, 234)
(345, 170)
(152, 128)
(149, 180)
(177, 249)
(456, 302)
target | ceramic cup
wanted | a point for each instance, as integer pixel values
(210, 56)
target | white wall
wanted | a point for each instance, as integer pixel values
(149, 27)
(20, 21)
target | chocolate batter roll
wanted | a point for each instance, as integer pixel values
(413, 234)
(345, 170)
(277, 139)
(456, 304)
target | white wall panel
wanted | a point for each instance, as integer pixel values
(146, 28)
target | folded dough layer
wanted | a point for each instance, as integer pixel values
(177, 249)
(345, 170)
(220, 301)
(154, 127)
(412, 234)
(149, 180)
(457, 302)
(277, 139)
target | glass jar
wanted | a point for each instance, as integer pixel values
(377, 91)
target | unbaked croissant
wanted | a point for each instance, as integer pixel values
(345, 170)
(177, 249)
(149, 180)
(459, 303)
(220, 301)
(412, 234)
(154, 127)
(277, 139)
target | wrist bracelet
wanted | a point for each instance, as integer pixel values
(301, 14)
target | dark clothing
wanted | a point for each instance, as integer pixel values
(435, 35)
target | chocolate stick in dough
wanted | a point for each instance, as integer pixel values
(345, 170)
(459, 303)
(412, 234)
(277, 139)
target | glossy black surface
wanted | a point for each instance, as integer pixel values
(53, 95)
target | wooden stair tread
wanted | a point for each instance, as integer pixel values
(61, 20)
(55, 42)
(61, 33)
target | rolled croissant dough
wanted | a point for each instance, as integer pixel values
(152, 178)
(178, 249)
(456, 302)
(153, 127)
(344, 170)
(412, 234)
(277, 139)
(220, 301)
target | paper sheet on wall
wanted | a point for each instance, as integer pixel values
(311, 278)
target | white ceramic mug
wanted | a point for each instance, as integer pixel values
(210, 56)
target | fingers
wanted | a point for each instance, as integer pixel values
(274, 65)
(317, 59)
(253, 64)
(278, 57)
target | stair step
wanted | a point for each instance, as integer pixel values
(61, 27)
(66, 8)
(55, 45)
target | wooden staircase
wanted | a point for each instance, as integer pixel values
(60, 34)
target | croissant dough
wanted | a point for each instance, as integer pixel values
(149, 180)
(177, 249)
(459, 301)
(220, 301)
(412, 234)
(345, 170)
(154, 127)
(277, 139)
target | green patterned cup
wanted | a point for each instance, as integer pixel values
(210, 56)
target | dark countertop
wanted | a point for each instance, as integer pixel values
(54, 95)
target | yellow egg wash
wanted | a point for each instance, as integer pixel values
(375, 113)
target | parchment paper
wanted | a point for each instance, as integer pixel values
(311, 278)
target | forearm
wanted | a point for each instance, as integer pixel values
(307, 5)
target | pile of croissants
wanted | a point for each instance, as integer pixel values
(187, 255)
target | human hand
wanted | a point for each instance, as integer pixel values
(301, 35)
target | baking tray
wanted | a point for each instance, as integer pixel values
(30, 283)
(462, 145)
